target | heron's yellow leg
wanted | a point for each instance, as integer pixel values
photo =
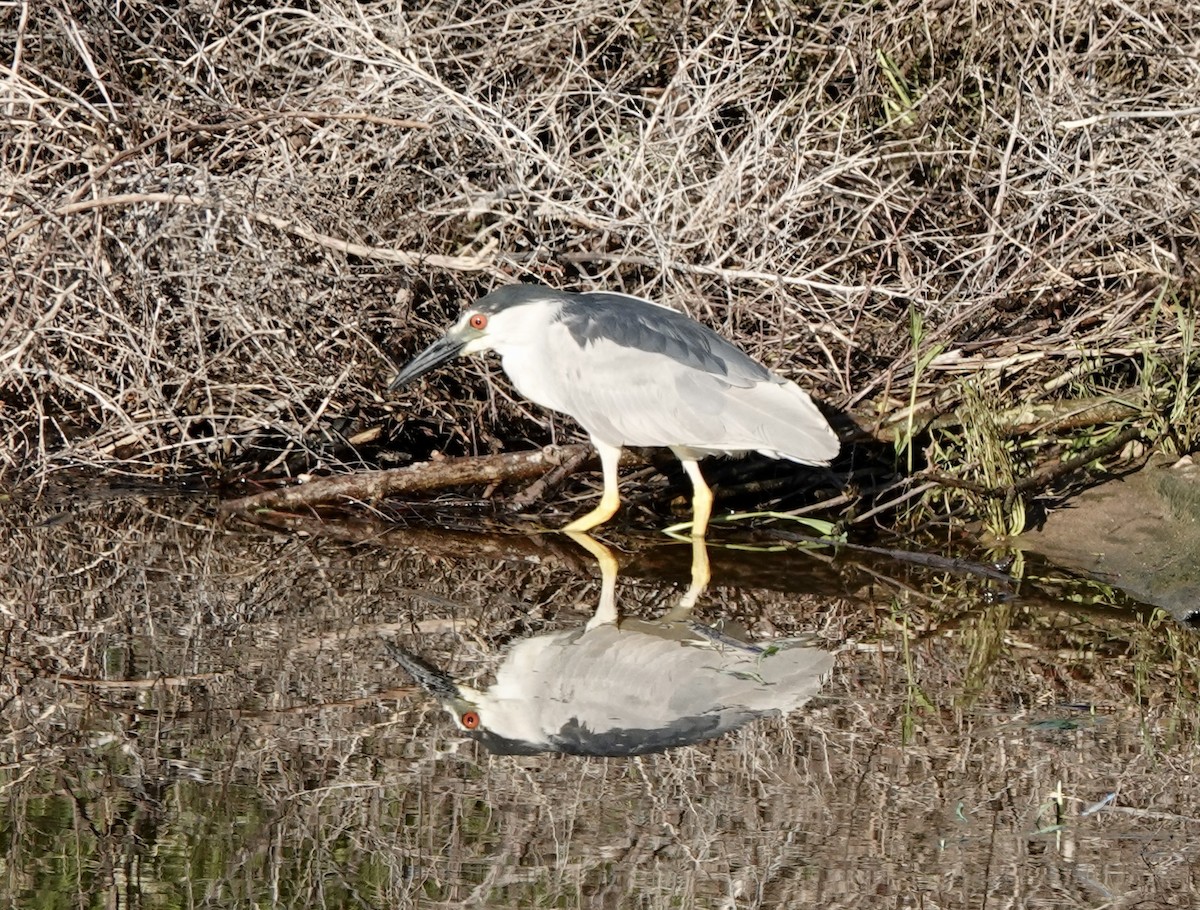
(702, 497)
(610, 499)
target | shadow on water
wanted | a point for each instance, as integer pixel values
(205, 715)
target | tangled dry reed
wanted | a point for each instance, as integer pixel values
(220, 219)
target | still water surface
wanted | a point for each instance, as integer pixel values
(198, 715)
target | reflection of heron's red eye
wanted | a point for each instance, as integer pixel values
(478, 322)
(470, 720)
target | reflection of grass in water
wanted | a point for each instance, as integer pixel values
(916, 701)
(1166, 667)
(52, 868)
(285, 839)
(1184, 724)
(984, 638)
(1068, 631)
(108, 819)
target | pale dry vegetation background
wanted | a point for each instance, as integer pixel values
(220, 219)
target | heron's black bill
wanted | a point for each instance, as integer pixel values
(442, 350)
(432, 680)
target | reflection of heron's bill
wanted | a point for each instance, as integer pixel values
(429, 678)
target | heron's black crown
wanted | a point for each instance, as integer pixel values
(512, 295)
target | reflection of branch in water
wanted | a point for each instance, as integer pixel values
(797, 570)
(931, 560)
(147, 682)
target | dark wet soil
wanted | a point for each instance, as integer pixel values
(1139, 533)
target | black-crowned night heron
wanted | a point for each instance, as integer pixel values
(626, 687)
(634, 373)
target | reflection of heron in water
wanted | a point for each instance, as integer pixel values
(627, 687)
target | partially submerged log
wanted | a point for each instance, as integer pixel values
(371, 486)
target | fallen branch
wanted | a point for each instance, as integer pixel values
(145, 682)
(1047, 473)
(223, 126)
(479, 262)
(371, 486)
(551, 480)
(846, 291)
(549, 466)
(527, 546)
(1165, 114)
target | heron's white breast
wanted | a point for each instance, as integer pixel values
(542, 360)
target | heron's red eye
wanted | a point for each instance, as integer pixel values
(470, 719)
(478, 322)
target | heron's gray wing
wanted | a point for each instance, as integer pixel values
(644, 326)
(776, 418)
(624, 396)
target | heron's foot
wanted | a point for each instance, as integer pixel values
(603, 512)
